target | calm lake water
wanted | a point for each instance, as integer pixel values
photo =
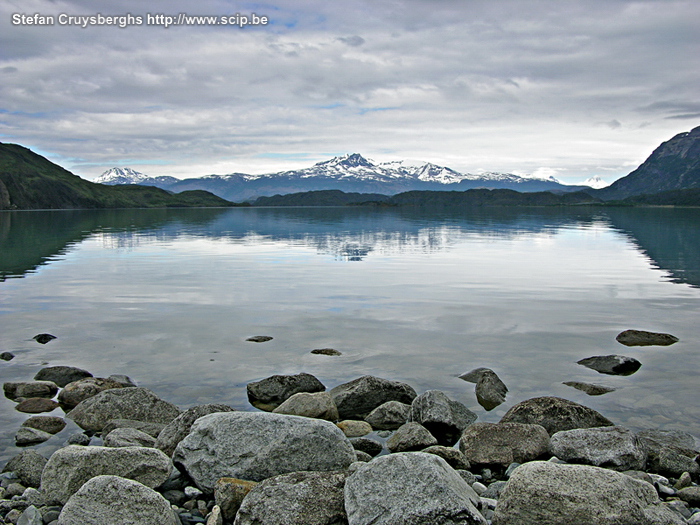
(168, 297)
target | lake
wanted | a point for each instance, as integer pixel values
(168, 297)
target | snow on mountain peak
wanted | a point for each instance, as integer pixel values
(595, 183)
(121, 176)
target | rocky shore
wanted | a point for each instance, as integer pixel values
(370, 451)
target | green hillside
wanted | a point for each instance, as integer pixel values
(30, 182)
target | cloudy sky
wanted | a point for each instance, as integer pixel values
(565, 88)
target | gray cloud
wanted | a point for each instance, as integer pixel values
(474, 85)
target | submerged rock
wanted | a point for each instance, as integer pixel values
(44, 338)
(61, 375)
(269, 393)
(555, 414)
(259, 445)
(30, 436)
(357, 398)
(490, 390)
(25, 389)
(588, 388)
(7, 356)
(612, 364)
(36, 405)
(642, 338)
(50, 424)
(259, 339)
(473, 376)
(543, 492)
(410, 488)
(326, 351)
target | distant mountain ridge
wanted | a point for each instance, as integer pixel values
(351, 173)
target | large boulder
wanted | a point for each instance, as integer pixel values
(389, 416)
(611, 447)
(498, 445)
(555, 414)
(115, 500)
(178, 428)
(543, 492)
(269, 393)
(410, 436)
(357, 398)
(61, 375)
(410, 488)
(298, 498)
(77, 391)
(318, 405)
(617, 365)
(258, 445)
(69, 467)
(670, 452)
(122, 403)
(443, 417)
(643, 338)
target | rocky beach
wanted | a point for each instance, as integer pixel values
(366, 452)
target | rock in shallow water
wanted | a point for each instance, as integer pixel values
(357, 398)
(555, 414)
(44, 338)
(61, 375)
(115, 500)
(30, 436)
(643, 338)
(588, 388)
(50, 424)
(122, 403)
(490, 390)
(269, 393)
(36, 405)
(618, 365)
(256, 446)
(259, 339)
(410, 488)
(543, 492)
(443, 417)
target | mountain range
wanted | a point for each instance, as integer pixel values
(348, 173)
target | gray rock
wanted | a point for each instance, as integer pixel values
(128, 437)
(590, 389)
(443, 417)
(389, 416)
(362, 456)
(79, 439)
(410, 436)
(544, 492)
(488, 445)
(77, 391)
(122, 403)
(114, 500)
(43, 338)
(611, 447)
(367, 445)
(357, 398)
(25, 389)
(410, 489)
(50, 424)
(36, 405)
(7, 356)
(179, 427)
(317, 500)
(229, 494)
(618, 365)
(256, 446)
(694, 519)
(259, 339)
(152, 429)
(454, 457)
(684, 481)
(670, 452)
(326, 351)
(555, 414)
(656, 439)
(269, 393)
(352, 428)
(30, 436)
(642, 338)
(61, 375)
(490, 390)
(318, 405)
(493, 491)
(68, 468)
(691, 495)
(31, 516)
(473, 376)
(216, 516)
(122, 379)
(28, 466)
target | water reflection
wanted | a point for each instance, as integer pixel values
(669, 237)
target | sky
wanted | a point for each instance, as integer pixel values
(570, 89)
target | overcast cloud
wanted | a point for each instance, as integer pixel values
(565, 88)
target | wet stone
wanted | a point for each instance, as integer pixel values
(259, 339)
(36, 405)
(43, 338)
(643, 338)
(326, 351)
(590, 389)
(612, 364)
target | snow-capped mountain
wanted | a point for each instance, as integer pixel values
(115, 176)
(349, 173)
(595, 183)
